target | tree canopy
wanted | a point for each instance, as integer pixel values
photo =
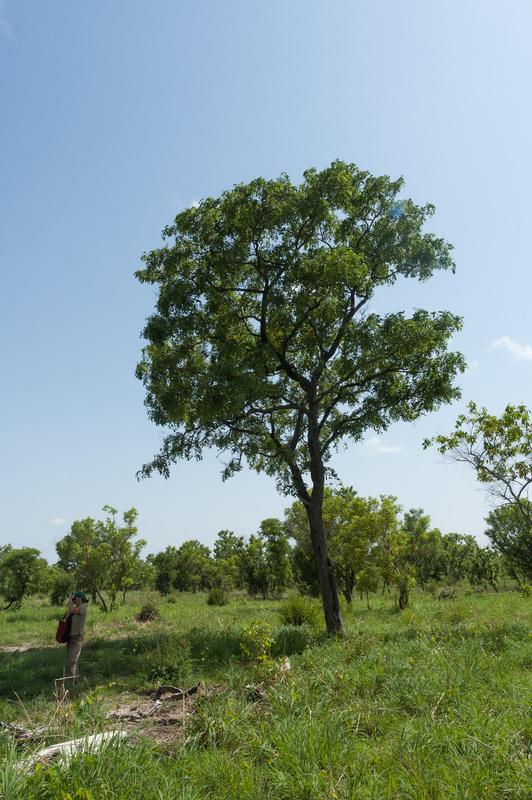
(263, 345)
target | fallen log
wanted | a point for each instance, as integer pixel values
(67, 750)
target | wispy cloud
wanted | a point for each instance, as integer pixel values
(377, 446)
(57, 521)
(518, 351)
(5, 28)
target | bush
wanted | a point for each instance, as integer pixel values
(298, 610)
(217, 597)
(147, 613)
(168, 661)
(172, 599)
(256, 641)
(292, 639)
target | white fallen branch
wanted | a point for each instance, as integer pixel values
(67, 750)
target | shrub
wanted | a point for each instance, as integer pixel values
(172, 599)
(217, 597)
(168, 661)
(147, 613)
(298, 610)
(292, 639)
(256, 641)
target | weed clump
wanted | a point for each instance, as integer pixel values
(148, 613)
(217, 597)
(292, 639)
(168, 661)
(299, 610)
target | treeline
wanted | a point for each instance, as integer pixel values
(373, 546)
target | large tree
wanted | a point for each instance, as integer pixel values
(262, 343)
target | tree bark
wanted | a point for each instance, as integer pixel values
(313, 503)
(329, 589)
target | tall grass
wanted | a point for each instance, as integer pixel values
(430, 703)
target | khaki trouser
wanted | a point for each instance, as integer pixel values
(73, 649)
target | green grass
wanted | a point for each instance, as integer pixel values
(428, 704)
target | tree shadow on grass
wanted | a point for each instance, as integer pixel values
(132, 661)
(136, 662)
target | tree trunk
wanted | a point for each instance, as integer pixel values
(329, 590)
(102, 601)
(403, 597)
(313, 504)
(348, 595)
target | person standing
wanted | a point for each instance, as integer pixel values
(77, 608)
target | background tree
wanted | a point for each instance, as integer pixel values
(368, 579)
(262, 345)
(86, 554)
(22, 572)
(101, 555)
(458, 552)
(125, 566)
(229, 557)
(485, 568)
(509, 532)
(499, 449)
(256, 567)
(276, 554)
(425, 546)
(354, 525)
(61, 584)
(193, 567)
(165, 565)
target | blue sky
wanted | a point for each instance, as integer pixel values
(114, 116)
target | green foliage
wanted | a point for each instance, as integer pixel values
(188, 568)
(148, 613)
(165, 565)
(102, 556)
(427, 704)
(292, 639)
(498, 448)
(22, 572)
(261, 344)
(168, 661)
(256, 641)
(368, 580)
(304, 261)
(61, 586)
(353, 525)
(297, 610)
(229, 559)
(217, 597)
(511, 534)
(256, 567)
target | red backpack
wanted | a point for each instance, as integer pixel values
(62, 634)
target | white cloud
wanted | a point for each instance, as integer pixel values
(377, 446)
(5, 28)
(57, 521)
(519, 352)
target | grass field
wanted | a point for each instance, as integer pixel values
(430, 703)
